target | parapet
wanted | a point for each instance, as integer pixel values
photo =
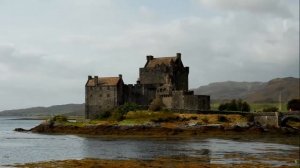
(149, 57)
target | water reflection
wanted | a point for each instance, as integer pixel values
(27, 147)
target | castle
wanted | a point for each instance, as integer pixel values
(165, 78)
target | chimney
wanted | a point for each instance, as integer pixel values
(178, 55)
(120, 76)
(89, 77)
(149, 57)
(96, 80)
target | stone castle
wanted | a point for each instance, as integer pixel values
(165, 78)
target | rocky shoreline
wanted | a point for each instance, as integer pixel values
(154, 130)
(176, 162)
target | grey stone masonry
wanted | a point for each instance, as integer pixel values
(163, 77)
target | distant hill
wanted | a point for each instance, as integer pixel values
(254, 92)
(67, 109)
(250, 91)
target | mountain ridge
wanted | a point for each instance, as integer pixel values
(65, 109)
(253, 92)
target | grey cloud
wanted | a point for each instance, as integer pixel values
(273, 7)
(253, 45)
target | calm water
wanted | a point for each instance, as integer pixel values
(18, 147)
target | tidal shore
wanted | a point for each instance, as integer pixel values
(154, 130)
(174, 162)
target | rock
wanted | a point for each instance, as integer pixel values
(20, 130)
(257, 128)
(289, 130)
(234, 128)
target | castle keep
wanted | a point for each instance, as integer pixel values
(165, 78)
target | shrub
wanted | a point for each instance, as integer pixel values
(294, 105)
(222, 118)
(166, 119)
(57, 118)
(234, 105)
(120, 112)
(104, 115)
(193, 118)
(245, 107)
(250, 117)
(60, 118)
(223, 107)
(205, 120)
(156, 104)
(117, 115)
(128, 106)
(270, 109)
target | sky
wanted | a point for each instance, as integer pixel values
(49, 47)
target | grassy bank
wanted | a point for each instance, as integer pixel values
(166, 119)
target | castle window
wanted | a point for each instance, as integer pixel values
(108, 95)
(100, 95)
(108, 88)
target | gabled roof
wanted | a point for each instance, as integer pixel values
(159, 61)
(104, 81)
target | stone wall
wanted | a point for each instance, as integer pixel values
(186, 100)
(181, 79)
(177, 100)
(267, 119)
(167, 101)
(158, 75)
(100, 99)
(155, 75)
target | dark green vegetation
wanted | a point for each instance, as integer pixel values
(253, 92)
(294, 105)
(235, 105)
(58, 118)
(270, 109)
(119, 113)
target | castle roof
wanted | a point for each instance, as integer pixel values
(159, 61)
(104, 81)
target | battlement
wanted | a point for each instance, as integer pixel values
(161, 77)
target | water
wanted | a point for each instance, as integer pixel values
(16, 147)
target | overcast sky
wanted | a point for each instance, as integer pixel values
(49, 47)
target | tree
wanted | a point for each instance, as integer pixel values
(294, 105)
(222, 107)
(270, 109)
(246, 107)
(235, 105)
(121, 111)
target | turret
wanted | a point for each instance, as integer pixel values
(178, 55)
(96, 80)
(149, 57)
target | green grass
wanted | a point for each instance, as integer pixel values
(260, 106)
(214, 106)
(78, 124)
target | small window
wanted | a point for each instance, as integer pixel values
(108, 95)
(108, 88)
(100, 95)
